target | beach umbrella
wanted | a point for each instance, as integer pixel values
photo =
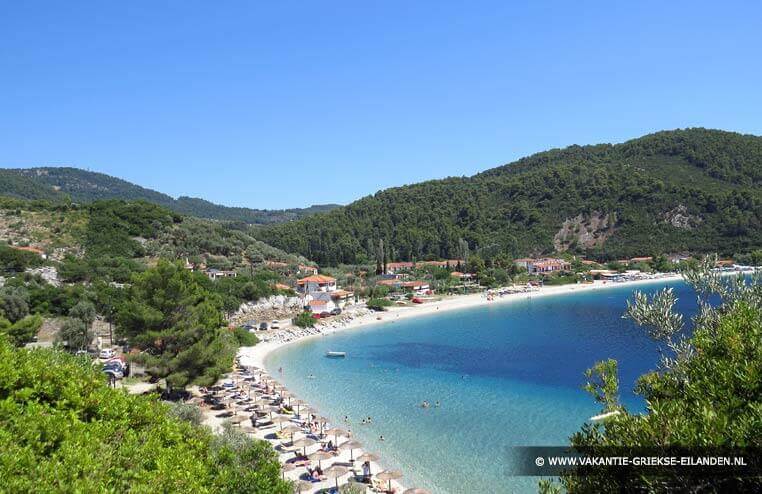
(368, 457)
(286, 467)
(320, 455)
(299, 404)
(280, 419)
(291, 429)
(261, 402)
(269, 409)
(304, 443)
(389, 475)
(351, 446)
(238, 419)
(302, 486)
(336, 432)
(336, 472)
(417, 490)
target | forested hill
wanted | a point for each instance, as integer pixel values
(693, 190)
(58, 184)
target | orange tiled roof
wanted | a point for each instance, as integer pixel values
(317, 278)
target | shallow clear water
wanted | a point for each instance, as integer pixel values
(509, 374)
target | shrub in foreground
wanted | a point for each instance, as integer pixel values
(62, 429)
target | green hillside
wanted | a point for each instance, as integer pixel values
(113, 239)
(58, 183)
(693, 190)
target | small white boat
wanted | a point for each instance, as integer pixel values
(335, 354)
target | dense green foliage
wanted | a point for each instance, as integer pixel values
(13, 184)
(379, 304)
(44, 298)
(22, 331)
(690, 190)
(235, 291)
(60, 184)
(16, 261)
(62, 429)
(218, 245)
(111, 240)
(177, 323)
(708, 391)
(304, 320)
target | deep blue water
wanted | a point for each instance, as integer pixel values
(509, 374)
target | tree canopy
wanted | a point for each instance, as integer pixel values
(177, 324)
(707, 392)
(692, 190)
(62, 429)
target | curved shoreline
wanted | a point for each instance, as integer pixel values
(257, 355)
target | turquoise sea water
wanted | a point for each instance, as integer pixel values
(509, 374)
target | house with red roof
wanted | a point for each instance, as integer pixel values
(321, 293)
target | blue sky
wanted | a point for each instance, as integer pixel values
(286, 104)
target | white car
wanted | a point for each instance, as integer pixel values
(275, 325)
(107, 353)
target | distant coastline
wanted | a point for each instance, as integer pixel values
(257, 355)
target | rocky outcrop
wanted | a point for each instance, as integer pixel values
(585, 231)
(47, 273)
(270, 308)
(679, 217)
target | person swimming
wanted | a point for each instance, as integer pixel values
(436, 404)
(381, 438)
(425, 404)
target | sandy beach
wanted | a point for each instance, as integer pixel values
(254, 357)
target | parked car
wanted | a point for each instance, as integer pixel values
(114, 369)
(275, 325)
(263, 326)
(325, 314)
(336, 311)
(417, 300)
(107, 353)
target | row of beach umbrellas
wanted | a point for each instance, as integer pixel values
(334, 472)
